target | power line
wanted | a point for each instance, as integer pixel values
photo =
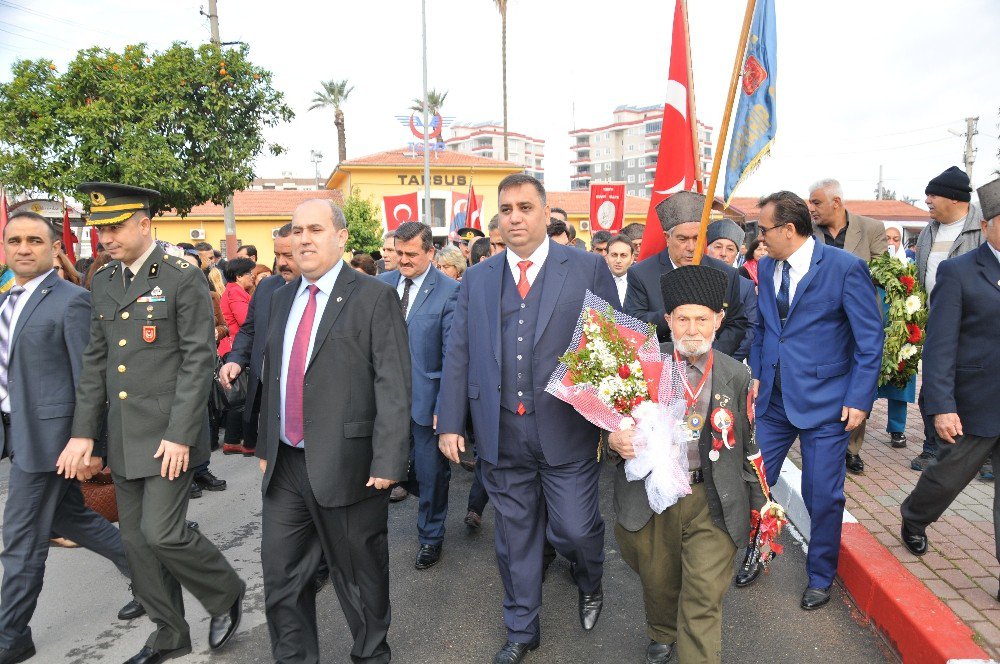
(885, 149)
(59, 19)
(34, 39)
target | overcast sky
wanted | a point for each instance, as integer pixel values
(861, 83)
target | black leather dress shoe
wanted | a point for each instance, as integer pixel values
(914, 540)
(590, 607)
(193, 525)
(897, 440)
(195, 490)
(222, 628)
(132, 610)
(659, 653)
(427, 556)
(751, 569)
(854, 464)
(209, 482)
(512, 653)
(153, 655)
(15, 655)
(813, 598)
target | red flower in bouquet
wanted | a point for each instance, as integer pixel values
(902, 366)
(914, 335)
(909, 282)
(624, 372)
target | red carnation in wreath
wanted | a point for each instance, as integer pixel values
(909, 282)
(914, 335)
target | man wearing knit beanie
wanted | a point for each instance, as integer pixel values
(953, 230)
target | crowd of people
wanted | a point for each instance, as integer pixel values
(364, 376)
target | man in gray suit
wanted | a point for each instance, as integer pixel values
(44, 326)
(684, 555)
(862, 236)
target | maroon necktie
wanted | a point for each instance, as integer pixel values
(295, 380)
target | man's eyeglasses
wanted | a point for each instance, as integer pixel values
(764, 231)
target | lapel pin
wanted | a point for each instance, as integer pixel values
(339, 299)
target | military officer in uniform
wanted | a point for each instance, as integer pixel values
(149, 367)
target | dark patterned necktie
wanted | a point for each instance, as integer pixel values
(404, 302)
(782, 297)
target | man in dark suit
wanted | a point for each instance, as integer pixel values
(146, 373)
(862, 236)
(334, 437)
(515, 315)
(44, 327)
(248, 347)
(427, 300)
(816, 356)
(684, 555)
(680, 217)
(960, 378)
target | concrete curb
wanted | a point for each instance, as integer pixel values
(922, 628)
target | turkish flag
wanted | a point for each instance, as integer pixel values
(93, 241)
(675, 161)
(400, 209)
(68, 239)
(464, 213)
(607, 206)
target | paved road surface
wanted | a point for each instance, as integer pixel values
(449, 614)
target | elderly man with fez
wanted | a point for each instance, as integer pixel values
(515, 315)
(684, 556)
(815, 358)
(148, 367)
(680, 217)
(334, 437)
(960, 378)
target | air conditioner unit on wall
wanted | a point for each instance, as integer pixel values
(585, 225)
(197, 234)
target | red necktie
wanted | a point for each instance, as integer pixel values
(523, 287)
(522, 284)
(296, 377)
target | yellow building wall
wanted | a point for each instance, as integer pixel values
(377, 182)
(255, 231)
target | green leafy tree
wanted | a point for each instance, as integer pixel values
(435, 100)
(187, 121)
(364, 222)
(333, 95)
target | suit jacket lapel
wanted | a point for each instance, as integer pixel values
(766, 302)
(803, 284)
(430, 281)
(852, 241)
(553, 276)
(140, 282)
(494, 286)
(989, 265)
(116, 289)
(276, 333)
(339, 295)
(29, 307)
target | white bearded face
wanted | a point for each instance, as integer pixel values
(693, 328)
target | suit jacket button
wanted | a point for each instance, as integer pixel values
(124, 315)
(123, 395)
(122, 342)
(121, 368)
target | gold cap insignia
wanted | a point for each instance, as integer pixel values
(97, 198)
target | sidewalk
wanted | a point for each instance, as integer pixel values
(961, 567)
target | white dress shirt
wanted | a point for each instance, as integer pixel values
(418, 281)
(798, 263)
(135, 265)
(29, 288)
(622, 284)
(325, 284)
(537, 259)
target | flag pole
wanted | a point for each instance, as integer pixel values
(706, 213)
(698, 173)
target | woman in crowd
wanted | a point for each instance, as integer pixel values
(451, 261)
(364, 264)
(235, 303)
(260, 273)
(66, 269)
(755, 250)
(896, 397)
(100, 261)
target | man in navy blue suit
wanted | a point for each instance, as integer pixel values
(816, 356)
(960, 385)
(515, 316)
(427, 299)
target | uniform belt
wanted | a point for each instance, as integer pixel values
(696, 476)
(5, 417)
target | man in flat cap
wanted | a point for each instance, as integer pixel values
(684, 555)
(954, 229)
(723, 241)
(148, 370)
(960, 386)
(680, 218)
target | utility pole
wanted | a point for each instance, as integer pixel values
(428, 219)
(315, 157)
(970, 150)
(228, 212)
(878, 192)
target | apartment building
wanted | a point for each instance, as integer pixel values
(485, 139)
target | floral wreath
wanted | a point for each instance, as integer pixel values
(906, 320)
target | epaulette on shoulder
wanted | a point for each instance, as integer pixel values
(176, 262)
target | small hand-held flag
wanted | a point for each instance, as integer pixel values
(473, 215)
(675, 169)
(68, 239)
(756, 122)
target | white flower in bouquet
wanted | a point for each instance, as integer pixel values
(606, 390)
(907, 351)
(912, 305)
(635, 368)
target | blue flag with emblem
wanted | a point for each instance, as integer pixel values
(756, 122)
(6, 280)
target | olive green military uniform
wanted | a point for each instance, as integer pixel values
(149, 367)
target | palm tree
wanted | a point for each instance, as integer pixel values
(334, 94)
(435, 100)
(502, 8)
